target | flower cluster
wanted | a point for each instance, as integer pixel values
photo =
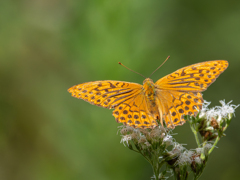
(144, 139)
(226, 111)
(159, 147)
(212, 122)
(151, 143)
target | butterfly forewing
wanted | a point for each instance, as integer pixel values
(105, 93)
(126, 98)
(196, 77)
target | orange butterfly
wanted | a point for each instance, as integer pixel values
(167, 100)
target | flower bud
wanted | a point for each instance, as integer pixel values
(142, 140)
(168, 140)
(230, 115)
(135, 136)
(126, 130)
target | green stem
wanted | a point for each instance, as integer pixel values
(215, 143)
(217, 139)
(155, 173)
(197, 177)
(195, 134)
(156, 165)
(225, 127)
(156, 169)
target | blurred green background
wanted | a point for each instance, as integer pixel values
(47, 46)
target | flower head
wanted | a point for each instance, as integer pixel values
(204, 109)
(198, 160)
(125, 139)
(185, 158)
(142, 140)
(168, 140)
(126, 130)
(207, 147)
(171, 156)
(198, 151)
(226, 109)
(155, 134)
(218, 112)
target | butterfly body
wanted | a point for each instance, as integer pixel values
(168, 99)
(149, 89)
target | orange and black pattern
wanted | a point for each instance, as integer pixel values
(167, 100)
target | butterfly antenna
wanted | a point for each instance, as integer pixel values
(159, 66)
(131, 70)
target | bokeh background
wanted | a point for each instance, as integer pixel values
(47, 46)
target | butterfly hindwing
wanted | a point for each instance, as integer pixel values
(173, 105)
(135, 112)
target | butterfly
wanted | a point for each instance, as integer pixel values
(167, 100)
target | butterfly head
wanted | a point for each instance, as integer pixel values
(148, 81)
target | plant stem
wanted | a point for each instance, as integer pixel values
(196, 135)
(156, 169)
(215, 143)
(156, 165)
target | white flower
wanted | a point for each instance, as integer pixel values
(125, 139)
(207, 147)
(178, 148)
(199, 150)
(185, 158)
(204, 109)
(226, 109)
(198, 160)
(218, 112)
(213, 113)
(168, 140)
